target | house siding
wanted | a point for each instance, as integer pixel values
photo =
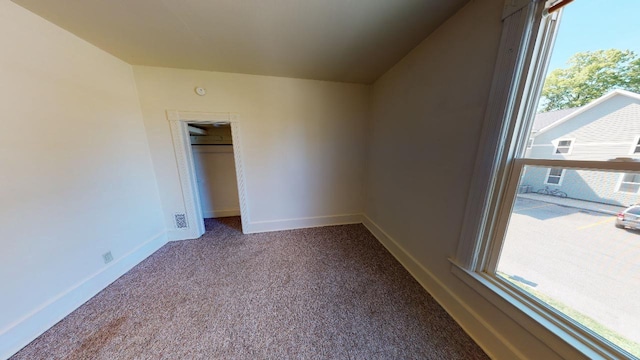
(604, 132)
(614, 121)
(589, 185)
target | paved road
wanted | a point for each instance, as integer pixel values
(579, 258)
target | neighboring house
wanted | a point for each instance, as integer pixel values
(605, 129)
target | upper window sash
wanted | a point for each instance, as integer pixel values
(527, 39)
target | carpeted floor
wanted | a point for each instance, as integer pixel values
(322, 293)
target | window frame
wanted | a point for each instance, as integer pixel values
(621, 181)
(530, 142)
(556, 146)
(560, 178)
(527, 40)
(635, 147)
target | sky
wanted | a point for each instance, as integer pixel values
(597, 25)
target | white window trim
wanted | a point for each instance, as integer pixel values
(635, 145)
(620, 178)
(557, 141)
(546, 179)
(523, 56)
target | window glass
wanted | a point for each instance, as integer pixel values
(555, 175)
(563, 147)
(570, 249)
(630, 183)
(634, 210)
(555, 172)
(571, 239)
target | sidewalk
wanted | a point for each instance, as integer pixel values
(574, 203)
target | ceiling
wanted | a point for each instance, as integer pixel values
(336, 40)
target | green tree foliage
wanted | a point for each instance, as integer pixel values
(590, 75)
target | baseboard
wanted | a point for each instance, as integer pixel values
(300, 223)
(25, 330)
(182, 234)
(221, 213)
(496, 346)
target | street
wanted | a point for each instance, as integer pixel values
(578, 258)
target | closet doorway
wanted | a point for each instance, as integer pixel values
(212, 149)
(209, 188)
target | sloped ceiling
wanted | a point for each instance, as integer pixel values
(336, 40)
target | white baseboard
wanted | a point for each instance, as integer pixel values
(221, 213)
(496, 346)
(182, 234)
(22, 332)
(300, 223)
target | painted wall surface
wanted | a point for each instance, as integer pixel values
(427, 113)
(303, 141)
(217, 184)
(76, 179)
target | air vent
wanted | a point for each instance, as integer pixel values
(181, 221)
(107, 257)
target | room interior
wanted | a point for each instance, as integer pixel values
(375, 119)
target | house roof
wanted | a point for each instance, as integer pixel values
(546, 121)
(543, 120)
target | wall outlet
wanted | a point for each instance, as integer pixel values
(107, 257)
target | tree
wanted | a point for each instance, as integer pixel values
(590, 75)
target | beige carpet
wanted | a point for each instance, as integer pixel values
(323, 293)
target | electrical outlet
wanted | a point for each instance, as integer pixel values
(107, 257)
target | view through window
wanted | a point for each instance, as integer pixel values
(573, 237)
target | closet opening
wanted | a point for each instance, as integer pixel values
(209, 162)
(215, 171)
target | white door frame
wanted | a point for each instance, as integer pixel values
(178, 121)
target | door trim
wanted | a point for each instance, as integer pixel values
(178, 121)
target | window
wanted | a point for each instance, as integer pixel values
(636, 147)
(548, 255)
(529, 143)
(634, 210)
(563, 147)
(554, 176)
(629, 183)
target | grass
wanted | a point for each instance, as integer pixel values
(614, 337)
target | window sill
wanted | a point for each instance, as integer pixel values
(560, 335)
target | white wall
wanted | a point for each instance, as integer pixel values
(427, 113)
(76, 177)
(303, 141)
(217, 183)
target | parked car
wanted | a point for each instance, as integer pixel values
(629, 218)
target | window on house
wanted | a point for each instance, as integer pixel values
(563, 147)
(554, 176)
(629, 183)
(636, 149)
(562, 260)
